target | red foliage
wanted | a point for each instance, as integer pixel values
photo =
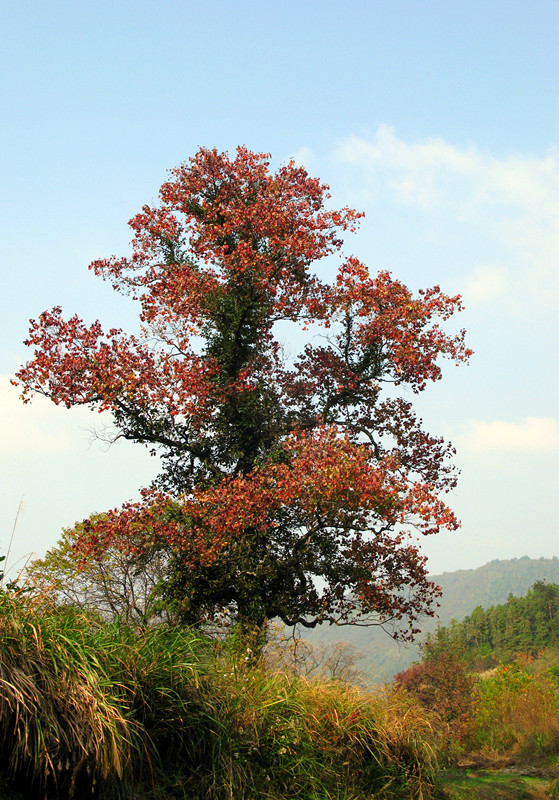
(443, 685)
(279, 472)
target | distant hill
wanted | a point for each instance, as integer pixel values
(463, 591)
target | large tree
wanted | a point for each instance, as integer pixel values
(289, 482)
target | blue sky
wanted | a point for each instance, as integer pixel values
(439, 119)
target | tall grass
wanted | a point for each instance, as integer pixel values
(74, 694)
(516, 711)
(284, 736)
(59, 719)
(90, 708)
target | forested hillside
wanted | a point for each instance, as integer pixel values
(491, 584)
(524, 625)
(463, 591)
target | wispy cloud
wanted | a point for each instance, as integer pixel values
(39, 427)
(486, 282)
(534, 435)
(413, 170)
(304, 157)
(508, 206)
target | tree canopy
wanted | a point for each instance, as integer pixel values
(289, 482)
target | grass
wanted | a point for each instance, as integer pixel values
(494, 785)
(59, 717)
(90, 708)
(516, 710)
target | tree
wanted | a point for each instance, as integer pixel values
(287, 482)
(119, 586)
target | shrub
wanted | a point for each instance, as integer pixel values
(443, 686)
(517, 711)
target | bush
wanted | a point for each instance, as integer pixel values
(445, 688)
(517, 711)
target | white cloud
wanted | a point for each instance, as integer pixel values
(39, 427)
(486, 282)
(535, 435)
(527, 182)
(497, 209)
(304, 157)
(387, 150)
(412, 169)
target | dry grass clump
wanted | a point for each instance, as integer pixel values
(85, 704)
(60, 722)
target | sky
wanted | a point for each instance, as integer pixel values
(439, 120)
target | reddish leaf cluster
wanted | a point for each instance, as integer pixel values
(443, 685)
(286, 483)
